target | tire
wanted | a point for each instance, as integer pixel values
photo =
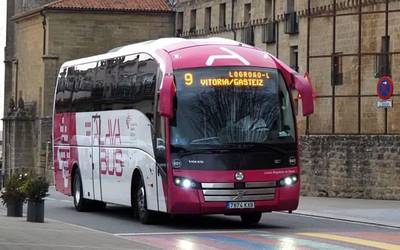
(145, 216)
(251, 218)
(81, 204)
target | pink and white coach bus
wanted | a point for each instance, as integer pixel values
(179, 126)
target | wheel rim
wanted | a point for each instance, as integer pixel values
(140, 200)
(77, 190)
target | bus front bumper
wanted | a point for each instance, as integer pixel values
(194, 201)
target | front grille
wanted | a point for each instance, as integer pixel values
(252, 191)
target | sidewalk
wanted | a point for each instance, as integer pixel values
(379, 212)
(17, 233)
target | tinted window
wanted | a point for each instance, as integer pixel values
(83, 78)
(61, 104)
(114, 84)
(146, 85)
(129, 84)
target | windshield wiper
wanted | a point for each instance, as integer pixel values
(256, 146)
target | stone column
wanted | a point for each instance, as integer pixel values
(18, 141)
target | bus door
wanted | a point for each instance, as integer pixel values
(96, 168)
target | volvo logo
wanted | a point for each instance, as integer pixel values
(239, 176)
(176, 163)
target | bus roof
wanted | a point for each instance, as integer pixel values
(170, 46)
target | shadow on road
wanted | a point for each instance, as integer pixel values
(187, 222)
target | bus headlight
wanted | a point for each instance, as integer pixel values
(185, 183)
(288, 181)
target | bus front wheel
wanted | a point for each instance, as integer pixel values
(145, 216)
(251, 218)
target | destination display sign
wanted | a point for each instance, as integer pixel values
(230, 78)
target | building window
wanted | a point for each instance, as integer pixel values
(294, 57)
(248, 35)
(192, 20)
(336, 71)
(247, 13)
(207, 19)
(248, 31)
(179, 24)
(383, 60)
(222, 15)
(269, 32)
(291, 23)
(268, 9)
(291, 19)
(289, 6)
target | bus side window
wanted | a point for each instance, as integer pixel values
(61, 104)
(145, 86)
(83, 77)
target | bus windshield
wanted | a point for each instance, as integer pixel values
(223, 107)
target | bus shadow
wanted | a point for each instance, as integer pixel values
(190, 222)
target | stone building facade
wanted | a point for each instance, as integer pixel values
(346, 46)
(41, 35)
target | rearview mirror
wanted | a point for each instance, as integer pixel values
(167, 94)
(304, 87)
(300, 83)
(160, 150)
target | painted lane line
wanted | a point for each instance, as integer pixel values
(352, 240)
(49, 199)
(66, 201)
(183, 233)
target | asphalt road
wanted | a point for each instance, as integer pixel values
(275, 231)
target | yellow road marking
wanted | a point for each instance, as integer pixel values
(368, 243)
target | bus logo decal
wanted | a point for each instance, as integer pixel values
(231, 55)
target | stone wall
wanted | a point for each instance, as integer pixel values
(365, 166)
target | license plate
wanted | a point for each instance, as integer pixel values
(240, 205)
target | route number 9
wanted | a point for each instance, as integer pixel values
(188, 79)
